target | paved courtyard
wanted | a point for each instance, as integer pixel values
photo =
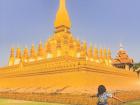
(133, 103)
(19, 102)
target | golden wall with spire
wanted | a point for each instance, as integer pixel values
(64, 61)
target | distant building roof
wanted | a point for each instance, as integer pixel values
(122, 57)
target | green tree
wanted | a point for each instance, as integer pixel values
(136, 66)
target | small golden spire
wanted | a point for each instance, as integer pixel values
(101, 53)
(83, 50)
(109, 58)
(18, 53)
(18, 57)
(85, 45)
(106, 57)
(95, 54)
(105, 53)
(62, 16)
(101, 56)
(41, 50)
(25, 55)
(47, 47)
(77, 46)
(33, 55)
(32, 52)
(109, 54)
(12, 52)
(12, 58)
(90, 52)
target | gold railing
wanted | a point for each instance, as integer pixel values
(50, 67)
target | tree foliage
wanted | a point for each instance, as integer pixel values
(136, 66)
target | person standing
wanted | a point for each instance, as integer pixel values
(103, 96)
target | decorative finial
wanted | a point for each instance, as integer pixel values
(62, 4)
(62, 16)
(121, 46)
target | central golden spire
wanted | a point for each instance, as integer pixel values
(62, 3)
(62, 16)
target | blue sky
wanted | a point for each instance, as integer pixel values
(105, 23)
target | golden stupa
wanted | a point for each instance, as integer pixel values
(66, 63)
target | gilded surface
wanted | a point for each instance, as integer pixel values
(64, 65)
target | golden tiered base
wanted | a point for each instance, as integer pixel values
(69, 75)
(70, 81)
